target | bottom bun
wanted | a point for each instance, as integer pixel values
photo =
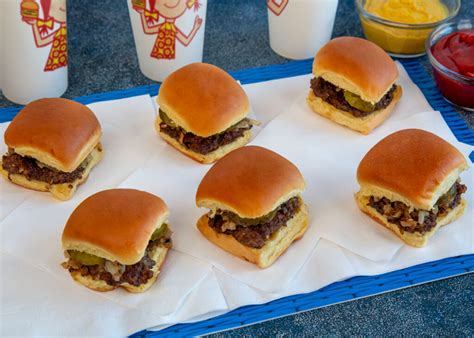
(62, 191)
(273, 248)
(364, 124)
(415, 239)
(213, 155)
(158, 255)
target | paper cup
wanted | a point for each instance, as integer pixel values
(167, 38)
(35, 49)
(299, 28)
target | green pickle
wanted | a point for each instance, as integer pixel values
(159, 232)
(250, 221)
(166, 119)
(356, 102)
(85, 258)
(448, 196)
(88, 259)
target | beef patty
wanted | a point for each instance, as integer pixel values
(416, 220)
(205, 145)
(114, 273)
(255, 236)
(30, 168)
(335, 97)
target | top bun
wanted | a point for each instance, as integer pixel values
(250, 181)
(412, 166)
(203, 99)
(357, 65)
(57, 132)
(115, 224)
(29, 5)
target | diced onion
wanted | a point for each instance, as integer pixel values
(421, 216)
(114, 268)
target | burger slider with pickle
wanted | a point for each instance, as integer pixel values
(409, 182)
(203, 112)
(117, 238)
(52, 146)
(256, 210)
(354, 84)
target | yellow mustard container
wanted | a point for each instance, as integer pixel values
(401, 27)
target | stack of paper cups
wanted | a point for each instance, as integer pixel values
(34, 49)
(167, 37)
(299, 28)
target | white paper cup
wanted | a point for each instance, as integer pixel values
(299, 28)
(169, 34)
(34, 55)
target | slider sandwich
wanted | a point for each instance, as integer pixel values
(203, 112)
(117, 238)
(354, 84)
(52, 146)
(256, 210)
(409, 182)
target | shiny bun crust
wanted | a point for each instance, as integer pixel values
(213, 155)
(158, 255)
(415, 239)
(63, 191)
(413, 166)
(115, 224)
(250, 181)
(357, 65)
(275, 246)
(57, 132)
(363, 125)
(203, 99)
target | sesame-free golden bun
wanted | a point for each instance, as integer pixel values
(250, 181)
(115, 224)
(58, 132)
(274, 247)
(416, 239)
(364, 124)
(203, 99)
(356, 65)
(209, 157)
(412, 166)
(61, 191)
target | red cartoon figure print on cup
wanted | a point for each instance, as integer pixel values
(277, 7)
(167, 30)
(50, 29)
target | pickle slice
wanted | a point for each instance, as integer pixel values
(356, 102)
(161, 231)
(166, 119)
(250, 221)
(448, 196)
(85, 258)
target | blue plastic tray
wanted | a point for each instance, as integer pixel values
(350, 289)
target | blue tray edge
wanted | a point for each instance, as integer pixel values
(335, 293)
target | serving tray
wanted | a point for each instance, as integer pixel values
(350, 289)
